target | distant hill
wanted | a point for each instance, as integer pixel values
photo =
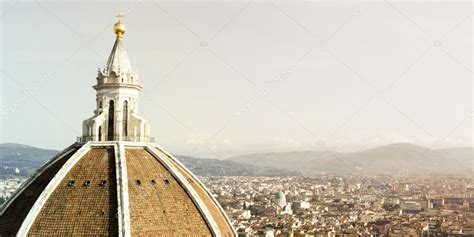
(28, 159)
(403, 158)
(14, 145)
(214, 167)
(301, 161)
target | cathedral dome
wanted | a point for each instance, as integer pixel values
(115, 181)
(114, 189)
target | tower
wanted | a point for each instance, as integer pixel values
(114, 181)
(116, 115)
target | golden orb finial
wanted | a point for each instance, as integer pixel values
(119, 28)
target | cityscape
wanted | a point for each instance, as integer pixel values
(237, 119)
(340, 205)
(344, 205)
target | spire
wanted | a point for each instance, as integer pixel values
(118, 61)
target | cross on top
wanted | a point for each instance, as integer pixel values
(119, 16)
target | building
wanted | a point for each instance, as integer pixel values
(410, 207)
(114, 181)
(300, 205)
(280, 199)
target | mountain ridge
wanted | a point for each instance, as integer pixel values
(394, 158)
(23, 160)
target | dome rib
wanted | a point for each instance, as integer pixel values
(38, 173)
(179, 165)
(189, 189)
(123, 200)
(18, 206)
(34, 211)
(85, 200)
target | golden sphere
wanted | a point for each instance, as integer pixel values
(119, 29)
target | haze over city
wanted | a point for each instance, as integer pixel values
(236, 118)
(237, 77)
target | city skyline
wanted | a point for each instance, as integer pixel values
(223, 79)
(236, 118)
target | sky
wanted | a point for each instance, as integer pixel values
(224, 78)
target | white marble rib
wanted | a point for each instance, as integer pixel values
(189, 189)
(22, 188)
(200, 183)
(122, 191)
(34, 211)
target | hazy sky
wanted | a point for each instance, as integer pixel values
(231, 77)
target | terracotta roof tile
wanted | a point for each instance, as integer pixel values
(82, 203)
(16, 212)
(163, 207)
